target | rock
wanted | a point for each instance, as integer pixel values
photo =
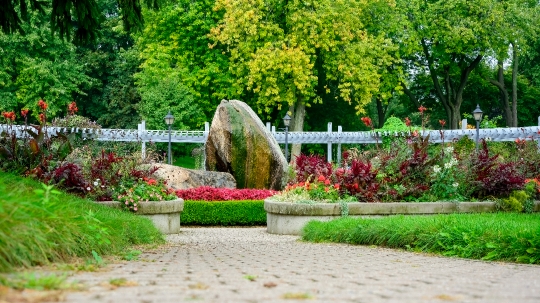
(240, 144)
(183, 178)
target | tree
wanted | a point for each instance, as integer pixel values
(292, 54)
(37, 66)
(515, 33)
(111, 61)
(80, 16)
(175, 44)
(448, 40)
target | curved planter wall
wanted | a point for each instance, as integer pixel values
(164, 214)
(284, 218)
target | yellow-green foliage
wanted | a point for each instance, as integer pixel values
(515, 202)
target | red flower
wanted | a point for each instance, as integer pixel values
(336, 186)
(321, 178)
(9, 115)
(326, 189)
(367, 121)
(42, 118)
(24, 112)
(415, 133)
(442, 122)
(327, 182)
(422, 109)
(42, 104)
(408, 122)
(72, 108)
(151, 182)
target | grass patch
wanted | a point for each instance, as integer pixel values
(39, 226)
(185, 162)
(224, 213)
(38, 282)
(497, 236)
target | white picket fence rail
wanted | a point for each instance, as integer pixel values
(330, 137)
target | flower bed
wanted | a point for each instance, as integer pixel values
(286, 218)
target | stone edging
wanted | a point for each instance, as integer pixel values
(165, 215)
(289, 218)
(152, 207)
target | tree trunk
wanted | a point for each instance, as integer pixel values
(381, 113)
(297, 126)
(499, 83)
(514, 84)
(409, 94)
(451, 96)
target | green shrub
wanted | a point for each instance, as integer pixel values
(496, 236)
(39, 225)
(226, 213)
(517, 201)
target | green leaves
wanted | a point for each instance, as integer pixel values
(288, 51)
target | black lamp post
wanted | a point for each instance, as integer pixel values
(477, 113)
(287, 122)
(169, 120)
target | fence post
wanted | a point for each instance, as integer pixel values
(538, 140)
(339, 130)
(140, 129)
(268, 126)
(464, 124)
(329, 155)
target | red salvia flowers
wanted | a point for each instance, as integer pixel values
(442, 123)
(42, 118)
(422, 109)
(24, 112)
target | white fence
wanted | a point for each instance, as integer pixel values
(141, 134)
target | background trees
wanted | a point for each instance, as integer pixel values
(324, 61)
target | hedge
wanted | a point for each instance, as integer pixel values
(224, 213)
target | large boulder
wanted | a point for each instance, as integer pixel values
(183, 178)
(240, 144)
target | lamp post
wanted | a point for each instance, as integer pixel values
(477, 113)
(286, 122)
(169, 120)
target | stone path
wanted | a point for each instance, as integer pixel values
(249, 265)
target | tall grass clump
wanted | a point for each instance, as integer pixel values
(498, 236)
(39, 225)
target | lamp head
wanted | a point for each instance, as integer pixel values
(477, 113)
(287, 120)
(169, 119)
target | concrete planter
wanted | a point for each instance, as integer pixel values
(285, 218)
(164, 214)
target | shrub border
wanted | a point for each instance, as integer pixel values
(286, 218)
(224, 213)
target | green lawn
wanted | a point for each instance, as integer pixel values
(497, 236)
(40, 225)
(186, 162)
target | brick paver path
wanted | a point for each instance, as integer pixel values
(249, 265)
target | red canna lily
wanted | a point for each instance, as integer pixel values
(408, 122)
(42, 104)
(367, 121)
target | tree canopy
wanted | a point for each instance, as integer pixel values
(79, 19)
